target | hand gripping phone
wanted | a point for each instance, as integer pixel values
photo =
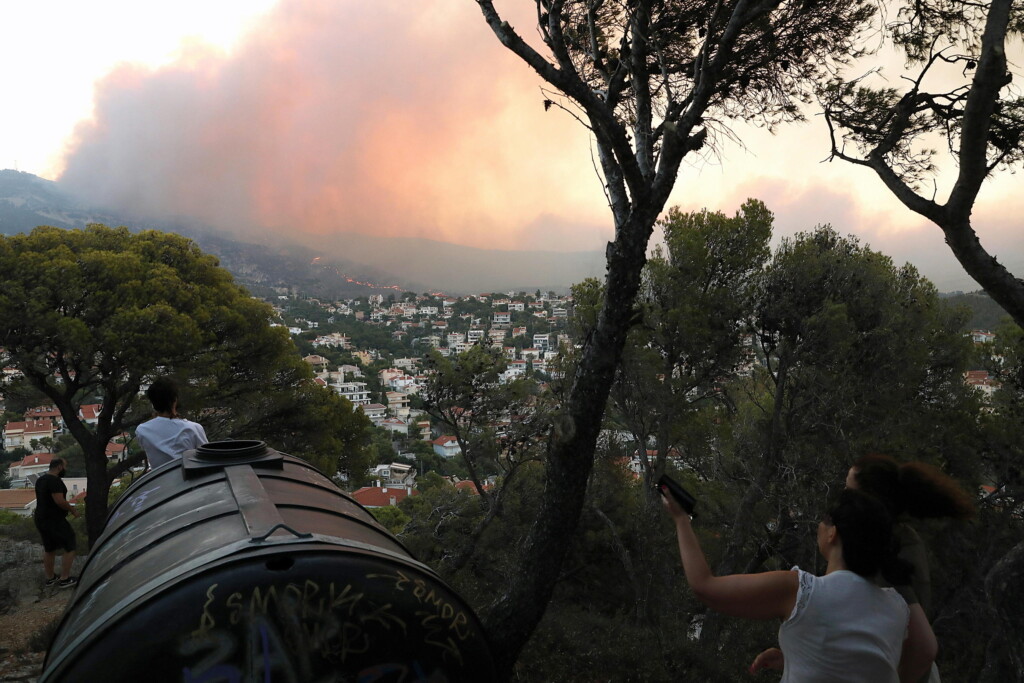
(681, 495)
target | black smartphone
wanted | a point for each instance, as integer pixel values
(682, 496)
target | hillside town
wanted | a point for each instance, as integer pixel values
(373, 351)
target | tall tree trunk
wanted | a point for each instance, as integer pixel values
(513, 618)
(98, 491)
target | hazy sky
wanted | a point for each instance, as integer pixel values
(388, 117)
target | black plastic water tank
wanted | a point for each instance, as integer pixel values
(239, 563)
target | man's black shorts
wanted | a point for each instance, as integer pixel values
(56, 533)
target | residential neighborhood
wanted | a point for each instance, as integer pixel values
(374, 352)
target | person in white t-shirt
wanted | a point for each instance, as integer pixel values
(168, 435)
(837, 628)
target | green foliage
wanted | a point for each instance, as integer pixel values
(441, 519)
(853, 354)
(859, 356)
(381, 446)
(771, 59)
(587, 299)
(862, 355)
(467, 396)
(696, 296)
(430, 481)
(393, 519)
(1003, 454)
(8, 517)
(17, 528)
(985, 314)
(109, 310)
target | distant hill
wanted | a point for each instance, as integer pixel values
(27, 201)
(986, 314)
(337, 266)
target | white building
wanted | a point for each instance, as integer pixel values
(375, 411)
(356, 392)
(395, 475)
(335, 340)
(446, 446)
(393, 424)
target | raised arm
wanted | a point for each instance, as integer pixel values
(755, 596)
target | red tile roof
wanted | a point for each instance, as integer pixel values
(36, 459)
(470, 487)
(381, 496)
(16, 499)
(30, 427)
(90, 411)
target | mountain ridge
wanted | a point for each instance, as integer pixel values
(329, 266)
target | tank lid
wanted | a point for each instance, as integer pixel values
(221, 454)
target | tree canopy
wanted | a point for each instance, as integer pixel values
(653, 81)
(956, 89)
(695, 300)
(91, 316)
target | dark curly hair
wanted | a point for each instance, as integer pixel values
(915, 488)
(162, 393)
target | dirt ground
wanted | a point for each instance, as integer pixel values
(27, 607)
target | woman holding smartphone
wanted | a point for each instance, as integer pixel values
(837, 627)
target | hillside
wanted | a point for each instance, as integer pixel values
(986, 314)
(27, 201)
(342, 265)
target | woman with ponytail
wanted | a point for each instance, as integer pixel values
(841, 627)
(913, 489)
(918, 490)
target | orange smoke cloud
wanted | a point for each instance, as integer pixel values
(386, 118)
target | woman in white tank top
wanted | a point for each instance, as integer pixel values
(839, 627)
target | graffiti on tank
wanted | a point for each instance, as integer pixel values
(296, 629)
(445, 624)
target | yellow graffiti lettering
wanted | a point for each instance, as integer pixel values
(461, 626)
(206, 621)
(258, 603)
(447, 646)
(293, 592)
(382, 615)
(348, 597)
(353, 641)
(399, 579)
(234, 603)
(433, 599)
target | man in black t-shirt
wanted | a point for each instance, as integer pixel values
(52, 508)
